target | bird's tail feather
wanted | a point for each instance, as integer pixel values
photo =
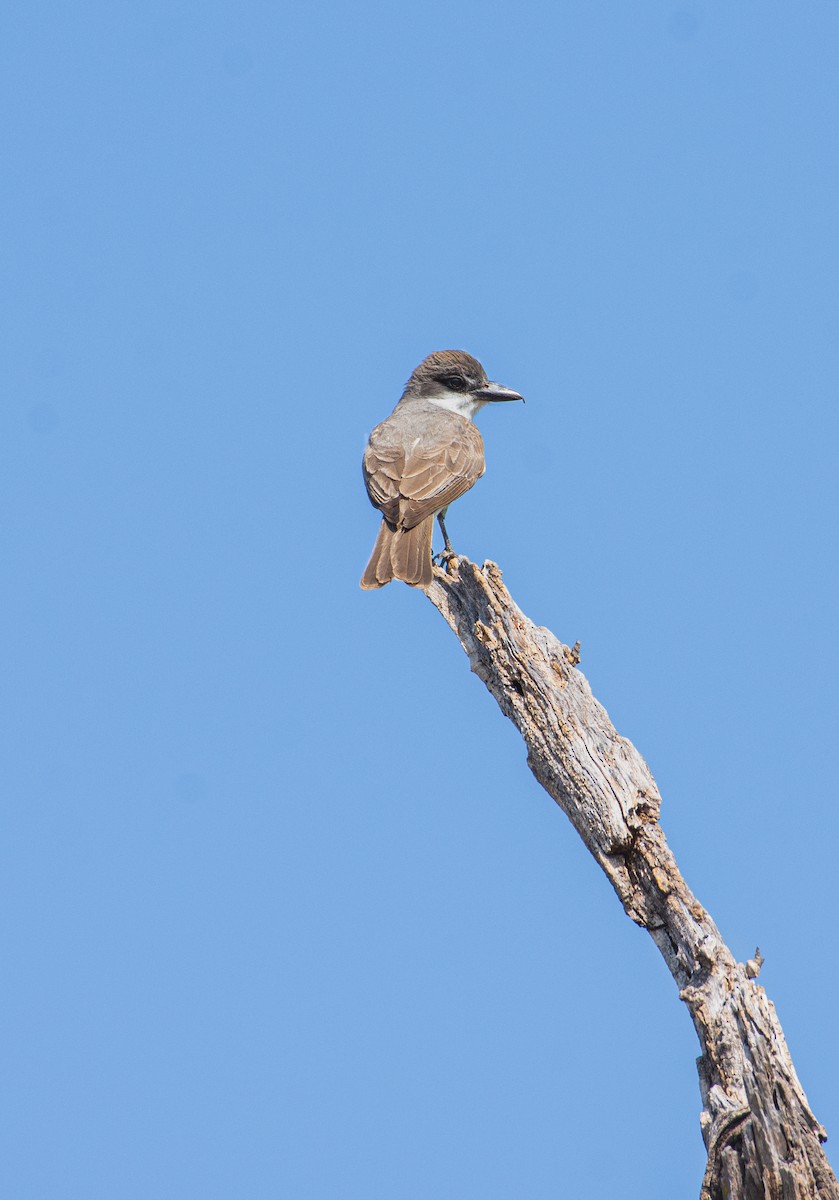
(401, 554)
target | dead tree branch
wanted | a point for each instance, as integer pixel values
(763, 1141)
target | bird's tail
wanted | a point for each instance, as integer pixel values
(401, 554)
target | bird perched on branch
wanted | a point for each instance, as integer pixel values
(425, 455)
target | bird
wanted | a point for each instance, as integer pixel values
(426, 454)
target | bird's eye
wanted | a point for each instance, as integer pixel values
(455, 383)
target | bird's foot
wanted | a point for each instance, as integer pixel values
(446, 556)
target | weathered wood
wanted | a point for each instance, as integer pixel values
(762, 1139)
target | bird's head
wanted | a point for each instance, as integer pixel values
(455, 380)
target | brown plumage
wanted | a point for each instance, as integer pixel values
(424, 456)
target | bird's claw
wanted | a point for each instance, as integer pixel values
(444, 557)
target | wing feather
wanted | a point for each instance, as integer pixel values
(411, 483)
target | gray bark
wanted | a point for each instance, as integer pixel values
(763, 1141)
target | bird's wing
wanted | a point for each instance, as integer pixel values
(434, 478)
(383, 466)
(409, 484)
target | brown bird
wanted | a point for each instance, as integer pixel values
(425, 455)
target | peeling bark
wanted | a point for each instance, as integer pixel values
(763, 1141)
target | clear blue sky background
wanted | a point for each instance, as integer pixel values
(285, 914)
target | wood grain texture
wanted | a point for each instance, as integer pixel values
(762, 1138)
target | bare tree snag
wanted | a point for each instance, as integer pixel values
(763, 1141)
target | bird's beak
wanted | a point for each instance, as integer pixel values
(492, 393)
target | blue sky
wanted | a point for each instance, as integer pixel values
(285, 913)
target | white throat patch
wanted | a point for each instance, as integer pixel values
(461, 403)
